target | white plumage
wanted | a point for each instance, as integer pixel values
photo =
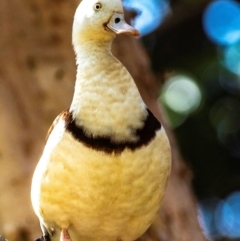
(104, 168)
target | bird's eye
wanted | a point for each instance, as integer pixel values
(97, 6)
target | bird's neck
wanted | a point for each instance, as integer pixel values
(106, 101)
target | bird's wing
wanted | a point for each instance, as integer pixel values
(62, 115)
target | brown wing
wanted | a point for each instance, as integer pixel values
(62, 115)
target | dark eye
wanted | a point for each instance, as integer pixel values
(97, 6)
(117, 20)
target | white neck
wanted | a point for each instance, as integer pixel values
(106, 101)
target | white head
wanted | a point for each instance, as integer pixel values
(99, 20)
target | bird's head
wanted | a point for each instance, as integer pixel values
(100, 20)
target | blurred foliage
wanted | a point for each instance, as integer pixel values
(200, 41)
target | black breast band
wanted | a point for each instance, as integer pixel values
(105, 144)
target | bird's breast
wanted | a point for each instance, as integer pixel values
(121, 193)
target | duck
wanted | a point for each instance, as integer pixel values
(106, 161)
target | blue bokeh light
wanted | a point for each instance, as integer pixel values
(220, 217)
(206, 208)
(221, 22)
(151, 13)
(233, 201)
(232, 58)
(224, 218)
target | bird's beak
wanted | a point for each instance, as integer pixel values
(118, 25)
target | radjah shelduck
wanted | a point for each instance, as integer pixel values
(104, 168)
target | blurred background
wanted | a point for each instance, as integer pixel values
(194, 48)
(196, 43)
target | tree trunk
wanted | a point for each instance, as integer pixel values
(37, 75)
